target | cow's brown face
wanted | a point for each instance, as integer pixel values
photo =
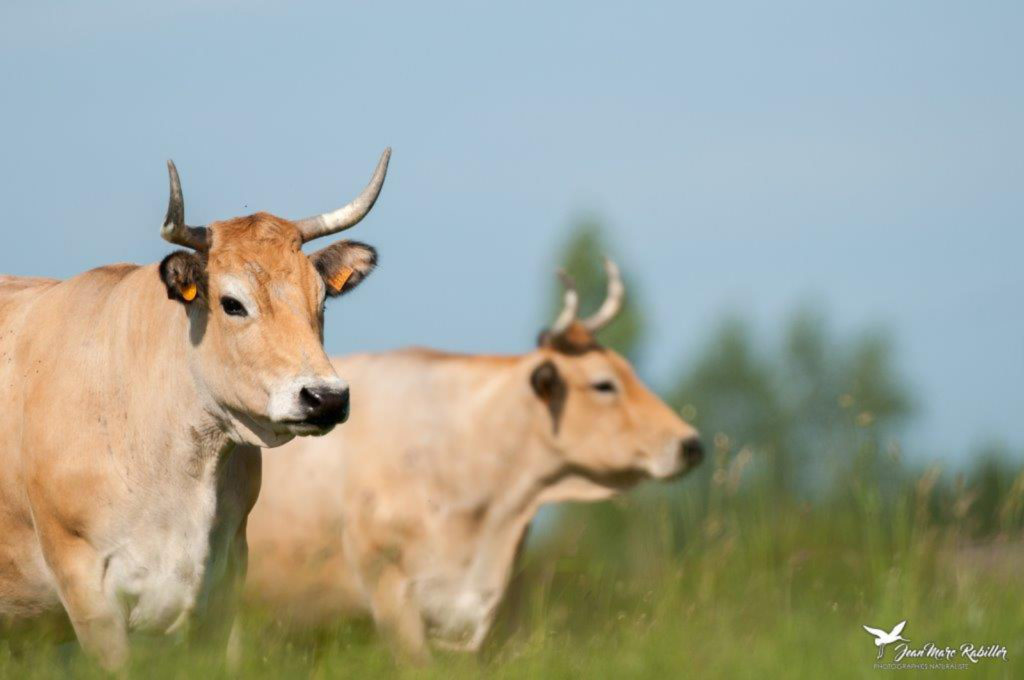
(606, 423)
(255, 304)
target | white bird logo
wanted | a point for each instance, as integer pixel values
(882, 638)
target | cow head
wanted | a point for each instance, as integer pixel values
(609, 428)
(255, 305)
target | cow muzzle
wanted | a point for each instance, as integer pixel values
(678, 458)
(691, 452)
(325, 406)
(310, 406)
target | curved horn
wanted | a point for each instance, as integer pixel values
(612, 302)
(570, 305)
(174, 228)
(349, 215)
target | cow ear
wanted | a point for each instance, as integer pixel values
(550, 387)
(183, 274)
(344, 265)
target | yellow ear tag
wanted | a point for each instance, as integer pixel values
(338, 280)
(189, 292)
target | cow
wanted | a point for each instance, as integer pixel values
(132, 399)
(415, 511)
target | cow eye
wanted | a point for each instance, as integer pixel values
(232, 307)
(606, 386)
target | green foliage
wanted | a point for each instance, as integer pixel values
(810, 406)
(582, 258)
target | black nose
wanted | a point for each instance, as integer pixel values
(325, 406)
(691, 450)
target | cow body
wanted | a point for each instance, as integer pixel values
(113, 465)
(415, 510)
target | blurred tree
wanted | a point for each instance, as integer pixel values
(813, 408)
(988, 497)
(581, 257)
(730, 390)
(873, 384)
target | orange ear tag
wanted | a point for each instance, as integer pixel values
(189, 292)
(338, 280)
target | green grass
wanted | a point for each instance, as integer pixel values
(731, 583)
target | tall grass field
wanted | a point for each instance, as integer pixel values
(716, 576)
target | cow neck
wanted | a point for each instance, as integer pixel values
(525, 469)
(529, 462)
(179, 410)
(507, 450)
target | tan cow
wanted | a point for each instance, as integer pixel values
(414, 511)
(127, 392)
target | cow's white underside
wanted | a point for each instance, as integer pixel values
(157, 572)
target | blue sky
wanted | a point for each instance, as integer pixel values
(868, 157)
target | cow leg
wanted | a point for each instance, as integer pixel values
(233, 651)
(239, 563)
(218, 628)
(239, 480)
(213, 625)
(96, 616)
(398, 617)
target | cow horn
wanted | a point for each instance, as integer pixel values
(612, 302)
(174, 228)
(349, 215)
(570, 305)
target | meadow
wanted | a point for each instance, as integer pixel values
(715, 578)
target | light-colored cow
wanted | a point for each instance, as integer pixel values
(415, 510)
(128, 395)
